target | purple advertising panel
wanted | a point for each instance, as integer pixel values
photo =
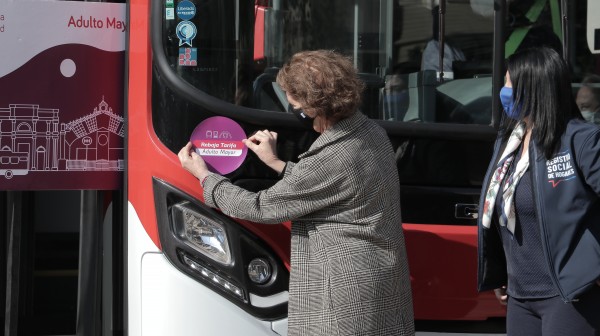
(219, 141)
(61, 100)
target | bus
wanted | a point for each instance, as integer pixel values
(440, 110)
(155, 260)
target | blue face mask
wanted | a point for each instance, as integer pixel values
(506, 97)
(303, 117)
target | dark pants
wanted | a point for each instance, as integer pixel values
(553, 317)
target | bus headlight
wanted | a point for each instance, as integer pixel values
(220, 253)
(201, 233)
(259, 270)
(215, 278)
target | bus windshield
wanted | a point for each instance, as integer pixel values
(232, 50)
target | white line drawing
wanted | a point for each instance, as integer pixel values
(32, 141)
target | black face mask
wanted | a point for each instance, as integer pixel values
(302, 116)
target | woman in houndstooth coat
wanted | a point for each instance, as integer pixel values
(349, 272)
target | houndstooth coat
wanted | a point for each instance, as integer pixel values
(349, 273)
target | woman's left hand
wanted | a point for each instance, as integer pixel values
(263, 144)
(501, 295)
(192, 162)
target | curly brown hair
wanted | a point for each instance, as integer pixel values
(325, 82)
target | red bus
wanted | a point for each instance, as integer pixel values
(442, 124)
(180, 268)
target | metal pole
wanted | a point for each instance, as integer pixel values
(11, 316)
(16, 260)
(498, 63)
(442, 32)
(89, 298)
(4, 220)
(565, 29)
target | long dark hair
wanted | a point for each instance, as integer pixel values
(541, 82)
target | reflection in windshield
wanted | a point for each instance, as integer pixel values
(394, 45)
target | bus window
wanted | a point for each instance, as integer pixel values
(585, 57)
(592, 27)
(533, 24)
(390, 41)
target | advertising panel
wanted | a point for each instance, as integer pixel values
(61, 95)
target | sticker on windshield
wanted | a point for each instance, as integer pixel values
(169, 14)
(169, 10)
(186, 31)
(188, 57)
(186, 10)
(219, 141)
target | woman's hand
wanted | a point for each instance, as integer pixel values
(598, 282)
(501, 295)
(192, 162)
(263, 144)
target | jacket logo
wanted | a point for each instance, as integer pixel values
(560, 169)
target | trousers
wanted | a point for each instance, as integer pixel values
(553, 317)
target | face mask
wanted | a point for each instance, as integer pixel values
(588, 115)
(400, 98)
(302, 116)
(395, 104)
(506, 97)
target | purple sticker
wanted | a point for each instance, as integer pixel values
(219, 141)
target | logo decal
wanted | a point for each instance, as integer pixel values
(560, 169)
(219, 141)
(186, 31)
(188, 56)
(186, 10)
(169, 10)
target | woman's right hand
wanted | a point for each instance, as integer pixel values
(501, 295)
(264, 144)
(192, 162)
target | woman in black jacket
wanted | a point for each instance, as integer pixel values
(539, 228)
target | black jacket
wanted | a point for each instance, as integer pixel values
(566, 193)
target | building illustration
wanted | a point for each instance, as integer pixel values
(32, 139)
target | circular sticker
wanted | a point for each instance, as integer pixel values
(219, 141)
(186, 31)
(185, 10)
